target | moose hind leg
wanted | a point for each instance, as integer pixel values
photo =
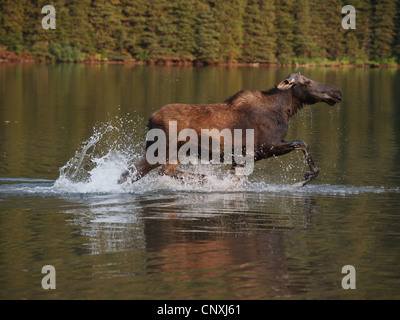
(171, 170)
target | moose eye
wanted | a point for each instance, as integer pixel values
(308, 83)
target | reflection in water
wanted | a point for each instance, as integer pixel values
(238, 238)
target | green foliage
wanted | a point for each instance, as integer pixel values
(284, 30)
(64, 52)
(229, 17)
(396, 39)
(12, 13)
(305, 46)
(384, 12)
(183, 17)
(81, 31)
(40, 50)
(158, 39)
(259, 42)
(211, 31)
(105, 18)
(133, 25)
(206, 34)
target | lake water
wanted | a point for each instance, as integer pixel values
(67, 131)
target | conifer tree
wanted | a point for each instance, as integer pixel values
(36, 39)
(258, 23)
(326, 28)
(209, 30)
(11, 24)
(304, 42)
(158, 40)
(106, 21)
(357, 42)
(133, 22)
(363, 30)
(352, 45)
(396, 40)
(63, 19)
(384, 12)
(207, 36)
(82, 34)
(319, 26)
(284, 26)
(183, 17)
(167, 31)
(229, 15)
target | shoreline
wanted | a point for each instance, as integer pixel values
(196, 63)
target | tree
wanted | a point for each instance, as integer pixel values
(11, 24)
(158, 34)
(396, 40)
(258, 24)
(352, 45)
(81, 33)
(284, 26)
(206, 34)
(304, 42)
(183, 17)
(363, 30)
(106, 21)
(133, 23)
(36, 39)
(209, 30)
(357, 42)
(326, 28)
(229, 16)
(384, 12)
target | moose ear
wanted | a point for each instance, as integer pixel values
(285, 84)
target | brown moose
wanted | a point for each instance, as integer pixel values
(266, 112)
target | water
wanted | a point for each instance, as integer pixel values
(68, 131)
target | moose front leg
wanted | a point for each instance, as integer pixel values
(288, 146)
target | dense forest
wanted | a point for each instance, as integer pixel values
(207, 31)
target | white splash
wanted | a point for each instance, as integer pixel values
(102, 178)
(98, 164)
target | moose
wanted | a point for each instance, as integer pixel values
(266, 112)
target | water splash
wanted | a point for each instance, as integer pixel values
(111, 149)
(101, 159)
(102, 177)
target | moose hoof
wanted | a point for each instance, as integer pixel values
(309, 176)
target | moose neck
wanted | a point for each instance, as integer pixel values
(295, 105)
(285, 102)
